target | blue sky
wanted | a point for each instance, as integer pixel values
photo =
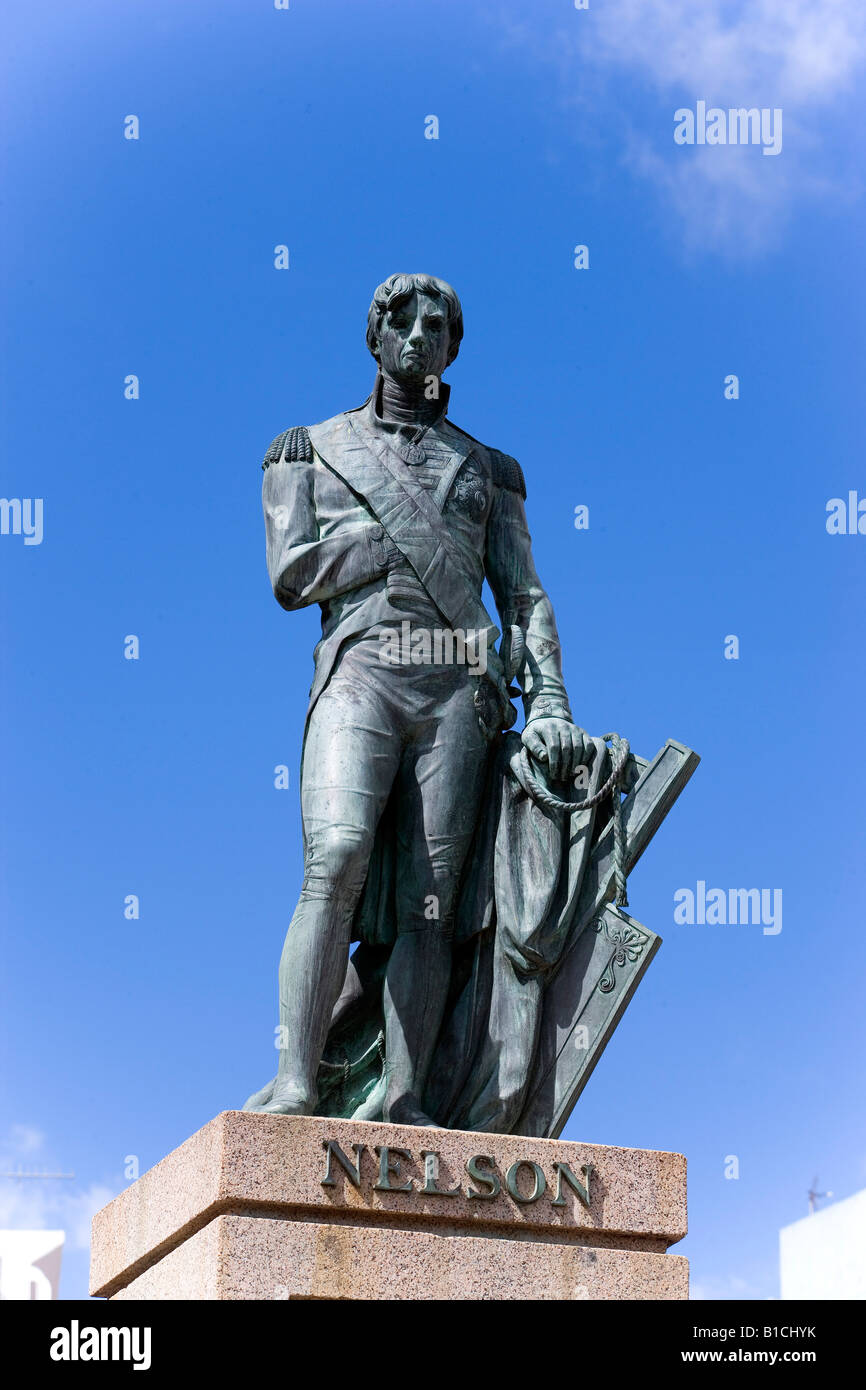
(707, 518)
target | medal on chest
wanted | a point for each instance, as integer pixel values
(412, 453)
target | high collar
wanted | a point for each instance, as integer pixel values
(374, 410)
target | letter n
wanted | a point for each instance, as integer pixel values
(564, 1171)
(352, 1170)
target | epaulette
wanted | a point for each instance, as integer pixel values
(293, 445)
(507, 472)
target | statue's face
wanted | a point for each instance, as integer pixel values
(414, 339)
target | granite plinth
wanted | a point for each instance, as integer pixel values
(269, 1207)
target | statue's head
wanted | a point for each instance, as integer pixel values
(414, 327)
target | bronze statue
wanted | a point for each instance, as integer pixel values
(455, 853)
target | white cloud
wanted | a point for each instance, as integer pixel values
(804, 56)
(24, 1140)
(763, 52)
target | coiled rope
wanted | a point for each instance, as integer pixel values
(544, 797)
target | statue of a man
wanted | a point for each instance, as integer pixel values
(391, 517)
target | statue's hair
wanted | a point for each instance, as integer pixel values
(397, 289)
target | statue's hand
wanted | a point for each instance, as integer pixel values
(559, 744)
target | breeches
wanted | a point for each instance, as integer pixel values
(377, 728)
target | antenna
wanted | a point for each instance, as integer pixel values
(814, 1195)
(33, 1173)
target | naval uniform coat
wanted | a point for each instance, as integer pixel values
(343, 517)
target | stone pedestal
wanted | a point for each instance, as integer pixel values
(277, 1207)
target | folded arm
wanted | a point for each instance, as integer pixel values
(305, 567)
